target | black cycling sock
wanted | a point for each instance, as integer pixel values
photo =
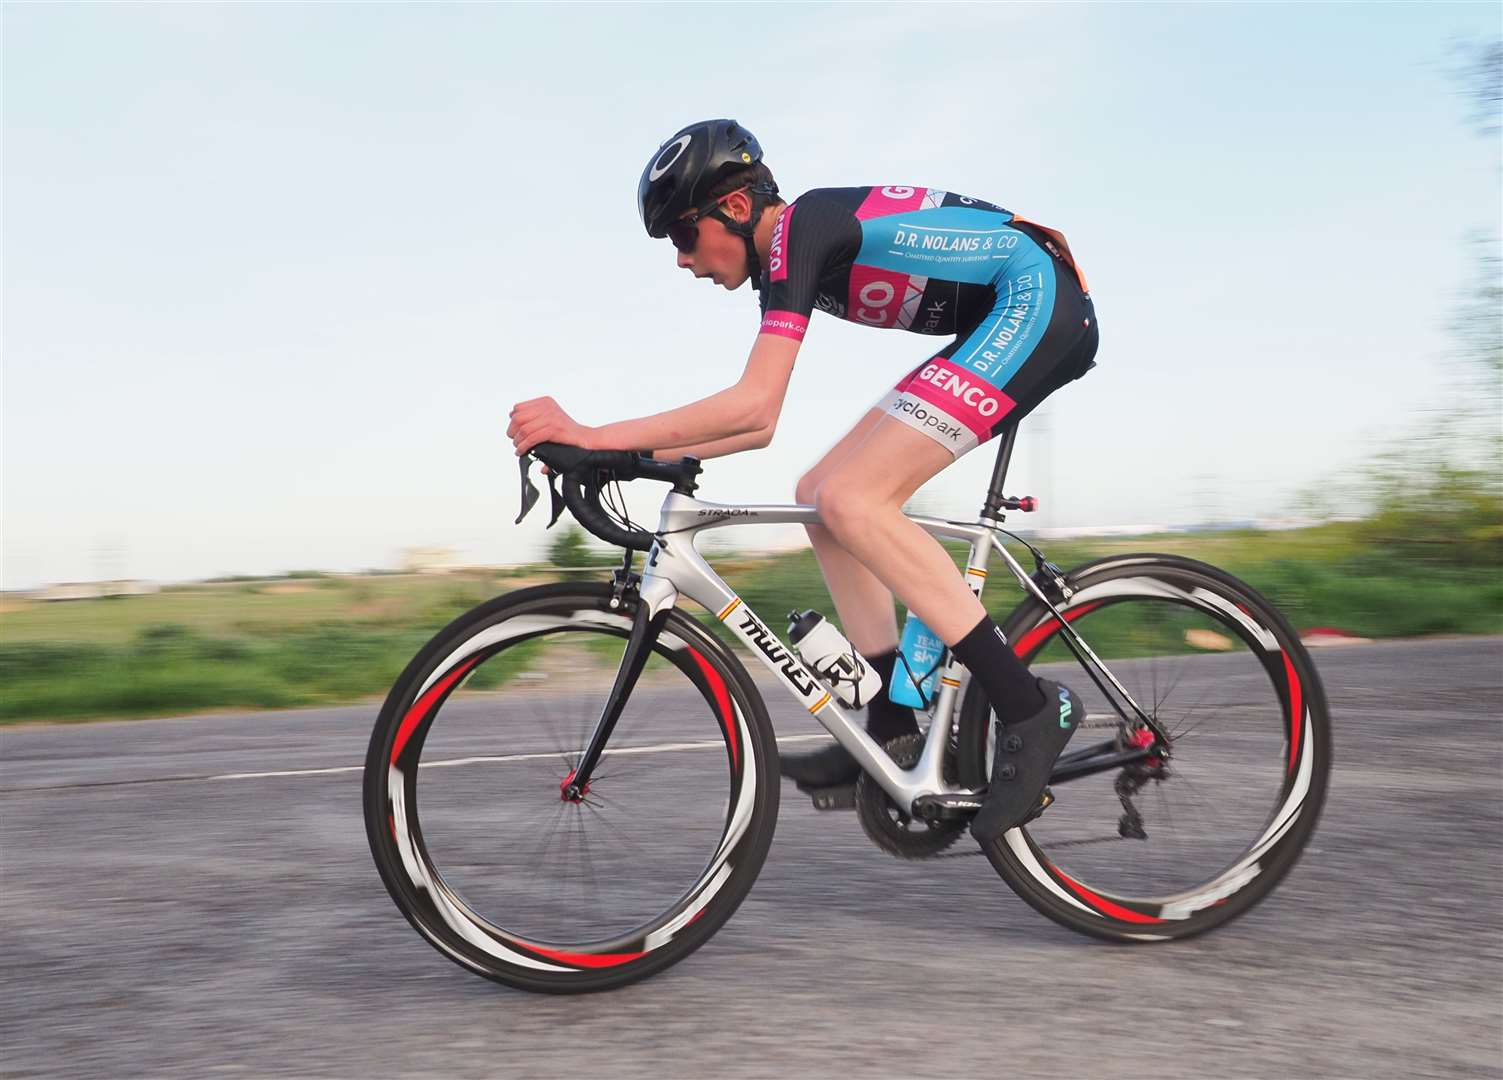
(884, 719)
(1013, 691)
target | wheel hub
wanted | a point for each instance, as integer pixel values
(569, 791)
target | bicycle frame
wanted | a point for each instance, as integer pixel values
(675, 568)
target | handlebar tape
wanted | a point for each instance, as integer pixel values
(582, 473)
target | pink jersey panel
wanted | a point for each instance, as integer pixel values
(777, 255)
(965, 395)
(788, 324)
(876, 296)
(890, 200)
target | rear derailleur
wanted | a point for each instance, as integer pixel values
(1130, 780)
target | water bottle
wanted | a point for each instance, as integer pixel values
(919, 656)
(835, 660)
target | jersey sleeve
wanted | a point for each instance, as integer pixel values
(812, 235)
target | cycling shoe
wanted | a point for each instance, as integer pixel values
(832, 765)
(1026, 752)
(829, 766)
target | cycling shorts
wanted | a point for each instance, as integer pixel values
(1040, 334)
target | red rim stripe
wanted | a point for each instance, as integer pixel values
(424, 705)
(1039, 634)
(723, 703)
(589, 960)
(1296, 712)
(1102, 904)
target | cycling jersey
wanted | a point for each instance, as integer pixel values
(934, 262)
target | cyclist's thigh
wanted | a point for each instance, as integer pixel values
(808, 485)
(890, 464)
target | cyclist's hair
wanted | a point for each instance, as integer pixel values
(756, 173)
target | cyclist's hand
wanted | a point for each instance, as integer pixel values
(542, 420)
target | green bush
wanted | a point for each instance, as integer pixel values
(1454, 520)
(35, 660)
(571, 548)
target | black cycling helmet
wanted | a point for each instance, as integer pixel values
(681, 173)
(687, 166)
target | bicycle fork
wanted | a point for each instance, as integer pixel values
(647, 624)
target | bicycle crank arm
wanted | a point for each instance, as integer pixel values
(961, 805)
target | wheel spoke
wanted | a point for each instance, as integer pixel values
(598, 870)
(1205, 682)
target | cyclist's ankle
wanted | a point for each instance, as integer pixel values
(885, 719)
(1011, 688)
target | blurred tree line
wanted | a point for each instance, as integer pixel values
(1436, 495)
(572, 549)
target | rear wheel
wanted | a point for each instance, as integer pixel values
(1176, 844)
(490, 858)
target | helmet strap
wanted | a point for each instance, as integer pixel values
(761, 196)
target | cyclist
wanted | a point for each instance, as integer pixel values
(917, 259)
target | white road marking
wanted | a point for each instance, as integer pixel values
(660, 748)
(488, 759)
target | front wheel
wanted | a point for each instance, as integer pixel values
(509, 874)
(1172, 845)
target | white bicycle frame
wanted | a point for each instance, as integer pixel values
(675, 567)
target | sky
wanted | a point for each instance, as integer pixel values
(274, 274)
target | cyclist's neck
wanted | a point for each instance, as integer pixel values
(762, 236)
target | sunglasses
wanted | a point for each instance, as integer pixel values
(683, 233)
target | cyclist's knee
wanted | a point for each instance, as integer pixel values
(807, 488)
(843, 508)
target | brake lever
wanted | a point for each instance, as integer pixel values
(529, 490)
(558, 499)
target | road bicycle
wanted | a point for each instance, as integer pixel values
(574, 786)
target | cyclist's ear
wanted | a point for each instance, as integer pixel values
(737, 206)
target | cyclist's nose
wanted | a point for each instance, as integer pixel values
(685, 260)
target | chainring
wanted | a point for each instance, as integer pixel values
(894, 829)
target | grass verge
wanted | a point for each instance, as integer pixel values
(271, 645)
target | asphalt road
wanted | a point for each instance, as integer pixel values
(192, 897)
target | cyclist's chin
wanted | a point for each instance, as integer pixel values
(726, 279)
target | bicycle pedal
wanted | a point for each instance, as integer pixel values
(1046, 800)
(840, 797)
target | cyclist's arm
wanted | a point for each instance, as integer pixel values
(738, 418)
(810, 234)
(732, 444)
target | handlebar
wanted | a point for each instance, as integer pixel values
(582, 473)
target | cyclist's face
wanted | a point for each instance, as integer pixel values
(718, 253)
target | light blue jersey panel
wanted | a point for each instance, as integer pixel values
(1007, 337)
(948, 243)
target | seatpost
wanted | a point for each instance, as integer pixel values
(992, 508)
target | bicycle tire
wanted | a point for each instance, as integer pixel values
(393, 809)
(1149, 594)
